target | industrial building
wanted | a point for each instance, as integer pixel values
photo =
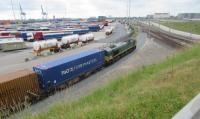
(189, 16)
(149, 17)
(158, 16)
(161, 16)
(101, 18)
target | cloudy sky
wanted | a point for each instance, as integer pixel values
(88, 8)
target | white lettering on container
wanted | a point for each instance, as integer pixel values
(79, 66)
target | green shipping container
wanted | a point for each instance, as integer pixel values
(13, 46)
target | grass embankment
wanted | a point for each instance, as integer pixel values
(136, 32)
(153, 92)
(190, 26)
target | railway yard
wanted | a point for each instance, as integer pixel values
(149, 50)
(87, 59)
(152, 47)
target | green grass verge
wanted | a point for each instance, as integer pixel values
(153, 92)
(191, 26)
(135, 31)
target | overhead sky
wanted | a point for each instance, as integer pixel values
(88, 8)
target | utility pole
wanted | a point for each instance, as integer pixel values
(129, 14)
(128, 11)
(13, 9)
(45, 8)
(44, 14)
(66, 10)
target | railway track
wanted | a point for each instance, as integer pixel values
(168, 37)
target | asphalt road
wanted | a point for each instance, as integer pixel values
(119, 32)
(149, 51)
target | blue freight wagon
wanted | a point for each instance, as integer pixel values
(81, 31)
(94, 28)
(58, 36)
(24, 36)
(55, 73)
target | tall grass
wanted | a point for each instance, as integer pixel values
(153, 92)
(191, 26)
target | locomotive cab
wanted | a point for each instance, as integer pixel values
(117, 50)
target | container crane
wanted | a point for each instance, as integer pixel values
(44, 14)
(22, 13)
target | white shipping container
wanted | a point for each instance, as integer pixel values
(30, 36)
(109, 31)
(6, 40)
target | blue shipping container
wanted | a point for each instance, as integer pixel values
(24, 36)
(94, 28)
(56, 35)
(55, 73)
(81, 31)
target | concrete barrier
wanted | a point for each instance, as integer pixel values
(172, 31)
(191, 110)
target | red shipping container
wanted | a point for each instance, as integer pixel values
(38, 36)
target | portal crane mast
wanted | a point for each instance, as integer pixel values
(44, 14)
(22, 13)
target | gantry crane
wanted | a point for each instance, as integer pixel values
(44, 14)
(22, 13)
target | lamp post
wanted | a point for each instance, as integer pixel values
(129, 13)
(13, 10)
(191, 30)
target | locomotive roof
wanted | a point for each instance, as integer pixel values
(114, 46)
